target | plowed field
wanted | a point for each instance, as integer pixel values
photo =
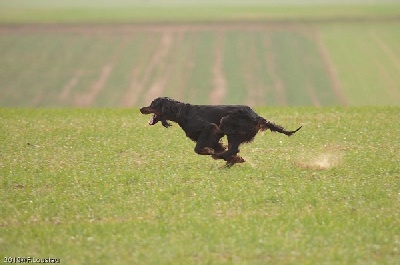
(253, 63)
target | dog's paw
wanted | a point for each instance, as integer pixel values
(166, 124)
(207, 151)
(235, 160)
(216, 156)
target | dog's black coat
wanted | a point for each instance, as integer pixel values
(207, 124)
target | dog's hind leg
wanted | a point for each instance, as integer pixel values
(208, 141)
(230, 155)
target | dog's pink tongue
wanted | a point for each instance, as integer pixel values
(151, 121)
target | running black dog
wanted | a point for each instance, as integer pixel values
(207, 124)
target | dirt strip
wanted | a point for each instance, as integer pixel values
(134, 89)
(66, 90)
(277, 82)
(181, 81)
(35, 102)
(331, 69)
(137, 85)
(157, 88)
(87, 99)
(220, 87)
(391, 84)
(250, 67)
(312, 95)
(387, 50)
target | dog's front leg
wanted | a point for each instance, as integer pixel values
(165, 123)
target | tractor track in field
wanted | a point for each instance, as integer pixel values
(138, 84)
(88, 98)
(387, 50)
(331, 70)
(158, 86)
(253, 85)
(277, 82)
(217, 95)
(66, 90)
(312, 95)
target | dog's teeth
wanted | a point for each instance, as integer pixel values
(151, 121)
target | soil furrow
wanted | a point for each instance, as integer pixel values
(220, 87)
(87, 99)
(66, 90)
(391, 55)
(137, 84)
(165, 66)
(331, 70)
(277, 81)
(250, 68)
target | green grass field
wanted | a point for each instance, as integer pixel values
(103, 187)
(97, 185)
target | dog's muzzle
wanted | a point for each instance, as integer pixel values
(148, 110)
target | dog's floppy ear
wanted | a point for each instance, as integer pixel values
(166, 108)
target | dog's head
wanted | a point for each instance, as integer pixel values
(160, 109)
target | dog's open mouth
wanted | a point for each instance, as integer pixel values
(148, 110)
(154, 119)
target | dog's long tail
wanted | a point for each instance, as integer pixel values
(267, 125)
